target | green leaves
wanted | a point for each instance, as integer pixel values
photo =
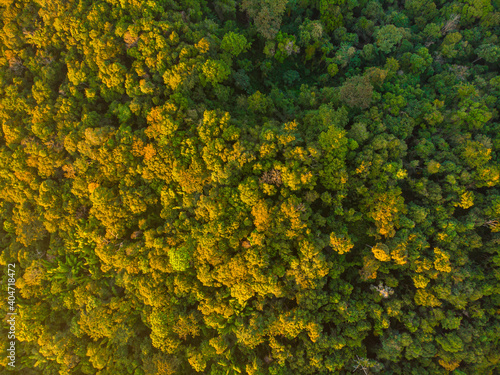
(179, 258)
(388, 37)
(215, 71)
(331, 15)
(334, 143)
(234, 43)
(489, 52)
(450, 342)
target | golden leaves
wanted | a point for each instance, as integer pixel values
(262, 216)
(420, 281)
(130, 40)
(441, 260)
(385, 210)
(449, 365)
(400, 254)
(425, 298)
(466, 200)
(203, 45)
(381, 252)
(341, 244)
(149, 151)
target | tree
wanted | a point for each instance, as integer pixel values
(489, 52)
(385, 209)
(331, 15)
(267, 15)
(357, 92)
(215, 71)
(388, 37)
(234, 43)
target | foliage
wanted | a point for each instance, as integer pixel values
(251, 187)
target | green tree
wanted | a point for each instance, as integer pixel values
(267, 15)
(388, 37)
(234, 43)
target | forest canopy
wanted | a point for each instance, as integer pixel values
(251, 187)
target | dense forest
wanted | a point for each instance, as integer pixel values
(251, 186)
